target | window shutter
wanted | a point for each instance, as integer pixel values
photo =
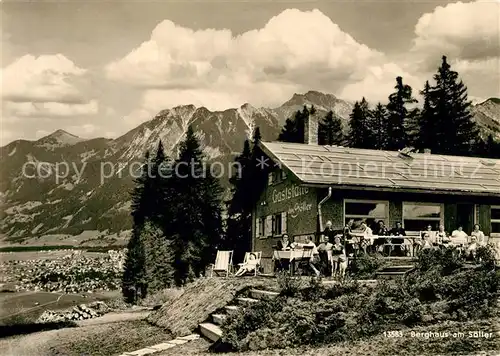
(257, 227)
(283, 222)
(268, 230)
(270, 178)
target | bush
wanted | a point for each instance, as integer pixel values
(365, 266)
(441, 288)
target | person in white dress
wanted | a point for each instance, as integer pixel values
(479, 235)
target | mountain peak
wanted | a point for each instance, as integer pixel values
(312, 97)
(59, 138)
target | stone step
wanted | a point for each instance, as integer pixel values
(231, 308)
(262, 294)
(211, 331)
(246, 301)
(218, 319)
(390, 275)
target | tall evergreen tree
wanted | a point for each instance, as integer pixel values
(378, 124)
(239, 222)
(293, 131)
(159, 269)
(360, 131)
(141, 194)
(134, 279)
(198, 214)
(398, 115)
(330, 130)
(428, 136)
(455, 132)
(160, 201)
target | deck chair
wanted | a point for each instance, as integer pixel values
(257, 266)
(223, 263)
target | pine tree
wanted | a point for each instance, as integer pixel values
(360, 132)
(159, 258)
(141, 194)
(293, 131)
(330, 130)
(428, 136)
(134, 279)
(161, 172)
(239, 222)
(398, 115)
(197, 222)
(455, 132)
(378, 119)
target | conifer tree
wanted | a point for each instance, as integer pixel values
(198, 217)
(330, 130)
(239, 222)
(360, 132)
(159, 258)
(428, 136)
(161, 172)
(398, 115)
(141, 194)
(134, 279)
(293, 131)
(454, 130)
(378, 124)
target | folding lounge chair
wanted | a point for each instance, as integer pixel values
(223, 263)
(245, 260)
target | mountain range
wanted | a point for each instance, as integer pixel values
(72, 185)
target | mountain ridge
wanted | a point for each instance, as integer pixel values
(93, 193)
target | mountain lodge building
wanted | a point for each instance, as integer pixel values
(309, 184)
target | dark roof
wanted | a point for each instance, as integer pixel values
(386, 170)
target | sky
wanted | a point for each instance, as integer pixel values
(100, 68)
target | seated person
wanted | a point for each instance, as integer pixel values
(471, 250)
(315, 260)
(249, 266)
(284, 244)
(398, 231)
(367, 235)
(481, 239)
(442, 237)
(427, 237)
(458, 236)
(380, 230)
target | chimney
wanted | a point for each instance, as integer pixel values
(427, 151)
(311, 129)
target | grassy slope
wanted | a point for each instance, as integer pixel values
(379, 345)
(95, 340)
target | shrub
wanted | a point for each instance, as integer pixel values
(289, 285)
(365, 266)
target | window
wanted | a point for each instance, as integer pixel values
(261, 227)
(416, 216)
(279, 224)
(270, 178)
(276, 177)
(495, 220)
(366, 210)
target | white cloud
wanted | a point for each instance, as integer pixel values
(45, 78)
(43, 87)
(469, 35)
(295, 51)
(467, 31)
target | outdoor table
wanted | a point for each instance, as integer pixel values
(292, 256)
